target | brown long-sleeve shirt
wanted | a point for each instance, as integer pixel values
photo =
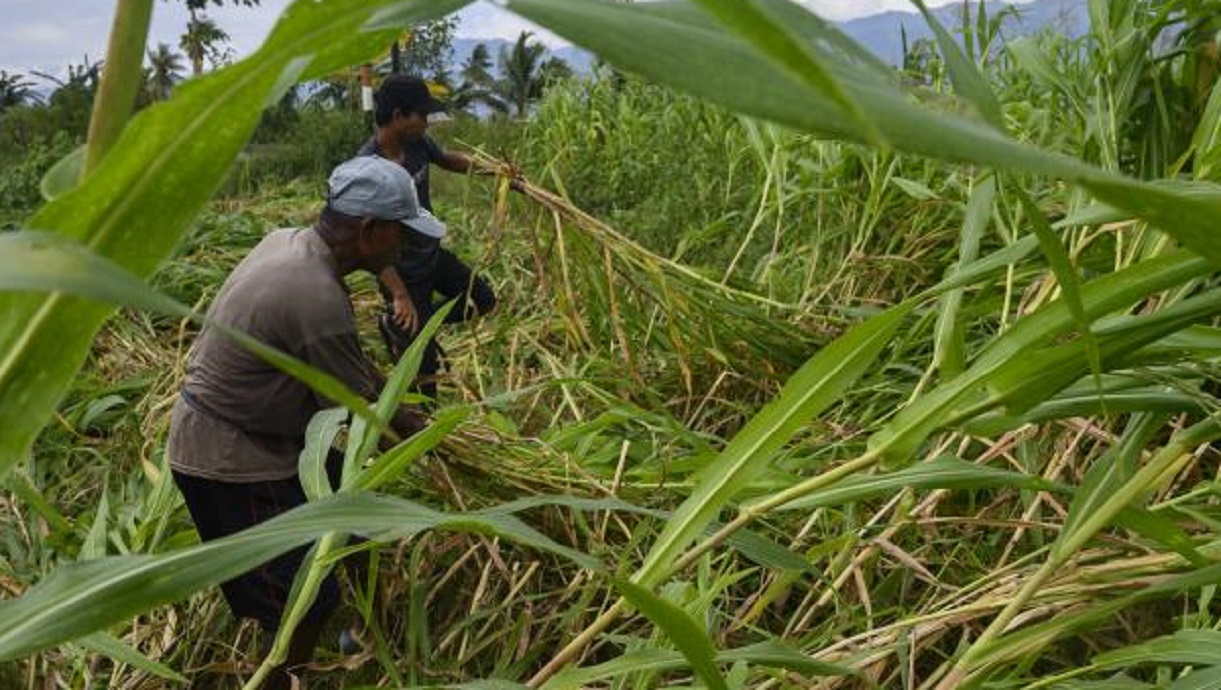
(240, 419)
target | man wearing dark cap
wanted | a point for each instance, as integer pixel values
(238, 427)
(403, 105)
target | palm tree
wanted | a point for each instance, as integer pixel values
(165, 69)
(555, 69)
(520, 68)
(200, 40)
(15, 90)
(478, 83)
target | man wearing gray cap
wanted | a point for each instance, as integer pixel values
(238, 427)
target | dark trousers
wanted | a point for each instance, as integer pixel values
(450, 278)
(220, 509)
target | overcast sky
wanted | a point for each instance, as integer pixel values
(48, 35)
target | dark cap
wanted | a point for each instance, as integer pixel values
(406, 94)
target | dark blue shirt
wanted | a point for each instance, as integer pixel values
(416, 157)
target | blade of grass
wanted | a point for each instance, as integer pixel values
(121, 652)
(686, 634)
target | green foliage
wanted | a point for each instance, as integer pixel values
(427, 50)
(304, 143)
(20, 178)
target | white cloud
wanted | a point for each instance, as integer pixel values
(485, 20)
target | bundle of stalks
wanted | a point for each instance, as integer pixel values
(613, 291)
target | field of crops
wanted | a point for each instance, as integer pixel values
(806, 372)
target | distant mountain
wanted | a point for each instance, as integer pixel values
(881, 33)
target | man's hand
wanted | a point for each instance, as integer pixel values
(405, 314)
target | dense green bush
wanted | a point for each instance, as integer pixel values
(19, 178)
(307, 145)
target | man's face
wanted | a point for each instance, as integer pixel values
(381, 243)
(410, 126)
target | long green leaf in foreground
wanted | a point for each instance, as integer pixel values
(687, 635)
(1195, 647)
(170, 159)
(757, 22)
(81, 598)
(813, 388)
(363, 437)
(674, 44)
(941, 473)
(48, 262)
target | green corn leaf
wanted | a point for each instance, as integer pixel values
(139, 200)
(95, 541)
(1024, 382)
(1066, 274)
(64, 175)
(753, 546)
(942, 473)
(121, 652)
(980, 268)
(1088, 404)
(968, 82)
(686, 634)
(814, 387)
(391, 464)
(320, 434)
(1194, 647)
(363, 439)
(760, 24)
(948, 357)
(81, 598)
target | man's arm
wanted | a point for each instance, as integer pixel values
(461, 163)
(405, 314)
(340, 356)
(455, 162)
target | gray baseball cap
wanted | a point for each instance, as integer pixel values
(373, 187)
